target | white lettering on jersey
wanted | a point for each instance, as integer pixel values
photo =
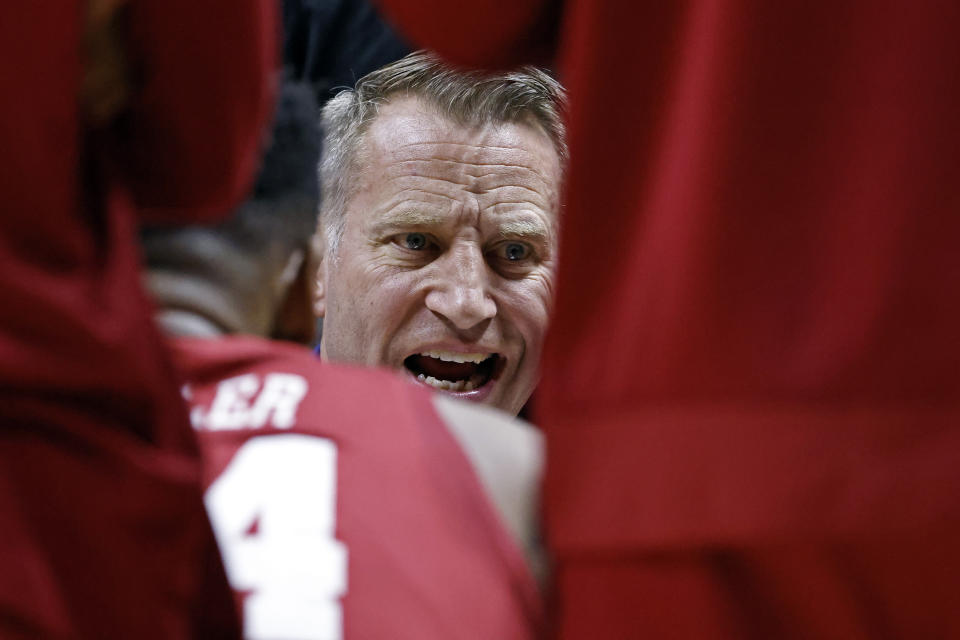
(293, 568)
(244, 403)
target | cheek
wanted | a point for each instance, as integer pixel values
(390, 295)
(379, 301)
(528, 304)
(349, 299)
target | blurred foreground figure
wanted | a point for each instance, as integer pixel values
(751, 388)
(113, 113)
(347, 502)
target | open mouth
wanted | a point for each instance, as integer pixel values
(451, 371)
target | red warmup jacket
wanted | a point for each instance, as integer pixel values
(751, 388)
(343, 505)
(103, 530)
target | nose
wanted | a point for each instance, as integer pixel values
(461, 292)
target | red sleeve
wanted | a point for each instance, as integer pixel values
(206, 86)
(482, 33)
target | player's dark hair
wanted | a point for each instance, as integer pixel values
(281, 212)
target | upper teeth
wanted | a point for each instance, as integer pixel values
(450, 356)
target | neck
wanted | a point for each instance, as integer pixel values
(178, 322)
(193, 306)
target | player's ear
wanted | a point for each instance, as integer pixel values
(319, 277)
(294, 320)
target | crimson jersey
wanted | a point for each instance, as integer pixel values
(342, 504)
(751, 388)
(103, 531)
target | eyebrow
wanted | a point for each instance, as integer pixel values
(408, 218)
(523, 229)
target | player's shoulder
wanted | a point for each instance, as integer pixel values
(514, 442)
(506, 454)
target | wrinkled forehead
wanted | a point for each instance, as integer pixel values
(408, 130)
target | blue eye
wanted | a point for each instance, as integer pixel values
(415, 241)
(514, 251)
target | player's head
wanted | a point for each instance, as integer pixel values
(439, 225)
(254, 272)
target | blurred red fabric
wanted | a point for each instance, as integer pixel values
(751, 389)
(104, 531)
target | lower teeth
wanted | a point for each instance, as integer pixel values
(449, 385)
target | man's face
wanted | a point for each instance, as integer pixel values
(445, 269)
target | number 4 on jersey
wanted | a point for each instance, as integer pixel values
(283, 487)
